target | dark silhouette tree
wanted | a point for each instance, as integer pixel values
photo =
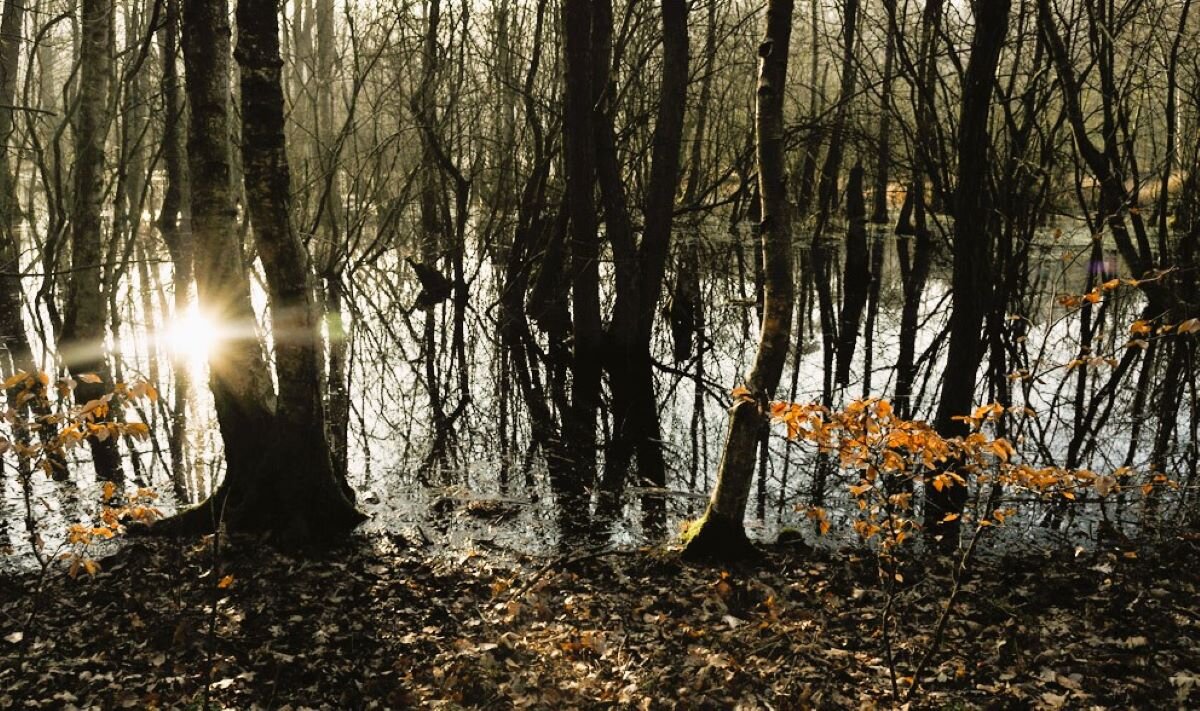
(279, 478)
(973, 239)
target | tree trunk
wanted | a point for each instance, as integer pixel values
(970, 286)
(635, 408)
(330, 257)
(278, 478)
(533, 226)
(580, 423)
(823, 257)
(914, 248)
(238, 375)
(879, 210)
(877, 255)
(721, 533)
(824, 262)
(85, 318)
(13, 336)
(312, 502)
(659, 214)
(621, 354)
(856, 279)
(687, 309)
(174, 222)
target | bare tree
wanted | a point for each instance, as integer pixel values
(973, 240)
(174, 223)
(579, 97)
(279, 476)
(82, 342)
(721, 532)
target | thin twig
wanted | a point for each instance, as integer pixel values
(887, 635)
(960, 574)
(29, 109)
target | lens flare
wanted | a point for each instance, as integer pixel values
(192, 335)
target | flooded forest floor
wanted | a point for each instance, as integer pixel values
(388, 622)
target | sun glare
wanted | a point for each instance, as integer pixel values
(192, 335)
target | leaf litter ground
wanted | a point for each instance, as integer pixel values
(386, 623)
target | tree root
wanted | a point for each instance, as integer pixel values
(716, 539)
(295, 504)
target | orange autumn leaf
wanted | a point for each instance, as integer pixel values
(860, 489)
(1139, 328)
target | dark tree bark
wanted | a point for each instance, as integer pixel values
(640, 277)
(971, 292)
(579, 97)
(822, 255)
(877, 254)
(312, 502)
(86, 314)
(687, 309)
(279, 478)
(856, 275)
(533, 224)
(883, 156)
(626, 374)
(238, 377)
(721, 532)
(174, 223)
(12, 327)
(13, 336)
(914, 248)
(823, 260)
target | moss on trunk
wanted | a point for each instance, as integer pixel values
(717, 538)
